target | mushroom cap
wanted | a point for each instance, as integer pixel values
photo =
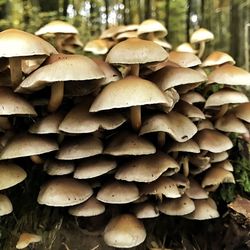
(184, 59)
(186, 47)
(205, 209)
(225, 164)
(5, 205)
(13, 104)
(126, 35)
(112, 32)
(80, 147)
(79, 120)
(188, 146)
(27, 145)
(192, 97)
(145, 210)
(62, 192)
(225, 96)
(118, 192)
(201, 35)
(147, 168)
(180, 206)
(241, 205)
(26, 238)
(229, 75)
(136, 51)
(11, 174)
(169, 77)
(128, 92)
(124, 231)
(205, 124)
(163, 43)
(91, 207)
(213, 141)
(217, 157)
(57, 26)
(175, 124)
(97, 47)
(217, 58)
(125, 143)
(151, 26)
(56, 167)
(48, 124)
(242, 111)
(195, 191)
(18, 43)
(93, 167)
(67, 68)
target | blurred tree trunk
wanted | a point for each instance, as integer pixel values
(148, 9)
(167, 8)
(26, 18)
(202, 12)
(65, 7)
(234, 18)
(107, 13)
(189, 5)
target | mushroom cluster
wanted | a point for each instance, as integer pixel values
(132, 145)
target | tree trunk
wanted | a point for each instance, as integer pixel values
(167, 8)
(107, 13)
(65, 7)
(188, 20)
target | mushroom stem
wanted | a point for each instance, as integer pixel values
(135, 116)
(222, 111)
(161, 138)
(201, 49)
(37, 159)
(15, 71)
(135, 69)
(185, 166)
(56, 97)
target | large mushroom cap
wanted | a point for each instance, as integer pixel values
(128, 92)
(151, 26)
(201, 35)
(62, 192)
(217, 58)
(11, 174)
(5, 205)
(136, 51)
(17, 43)
(124, 231)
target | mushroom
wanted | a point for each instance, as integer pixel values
(5, 205)
(225, 164)
(242, 111)
(217, 58)
(186, 47)
(217, 157)
(205, 124)
(97, 46)
(193, 97)
(241, 205)
(184, 59)
(25, 239)
(126, 35)
(145, 210)
(57, 167)
(195, 191)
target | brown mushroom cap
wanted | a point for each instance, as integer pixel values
(213, 141)
(195, 191)
(241, 205)
(129, 144)
(217, 157)
(13, 104)
(27, 145)
(91, 207)
(147, 168)
(192, 97)
(81, 147)
(163, 43)
(205, 124)
(111, 32)
(242, 111)
(225, 164)
(126, 35)
(136, 51)
(187, 146)
(97, 47)
(145, 210)
(184, 59)
(201, 35)
(229, 75)
(124, 231)
(56, 167)
(11, 174)
(186, 47)
(26, 239)
(93, 167)
(62, 192)
(128, 92)
(180, 206)
(5, 205)
(118, 192)
(151, 26)
(217, 58)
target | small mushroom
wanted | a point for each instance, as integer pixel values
(186, 47)
(184, 59)
(217, 58)
(145, 210)
(5, 205)
(25, 239)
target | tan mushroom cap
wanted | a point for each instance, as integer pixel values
(151, 26)
(163, 43)
(230, 123)
(225, 164)
(79, 120)
(177, 207)
(213, 141)
(195, 191)
(27, 145)
(5, 205)
(81, 147)
(62, 192)
(91, 207)
(145, 210)
(128, 92)
(68, 68)
(126, 143)
(188, 146)
(124, 231)
(217, 157)
(205, 209)
(11, 174)
(242, 111)
(126, 35)
(199, 160)
(175, 124)
(184, 59)
(241, 205)
(97, 47)
(56, 167)
(229, 75)
(169, 77)
(205, 124)
(186, 47)
(13, 104)
(172, 97)
(17, 43)
(201, 35)
(93, 167)
(147, 168)
(215, 176)
(192, 97)
(118, 192)
(225, 96)
(136, 51)
(185, 88)
(217, 58)
(48, 124)
(112, 32)
(26, 239)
